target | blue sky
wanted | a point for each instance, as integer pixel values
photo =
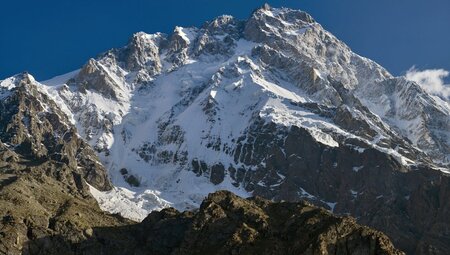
(48, 38)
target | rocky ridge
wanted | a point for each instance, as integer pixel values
(45, 169)
(227, 224)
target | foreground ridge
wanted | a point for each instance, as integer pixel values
(228, 224)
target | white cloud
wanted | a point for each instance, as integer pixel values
(431, 80)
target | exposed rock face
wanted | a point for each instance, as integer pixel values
(34, 127)
(353, 179)
(143, 50)
(227, 224)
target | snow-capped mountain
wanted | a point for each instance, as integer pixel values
(273, 106)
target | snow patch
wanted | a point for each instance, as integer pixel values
(128, 203)
(357, 168)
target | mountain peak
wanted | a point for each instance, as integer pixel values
(142, 38)
(17, 80)
(25, 76)
(141, 49)
(21, 81)
(286, 14)
(266, 6)
(223, 24)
